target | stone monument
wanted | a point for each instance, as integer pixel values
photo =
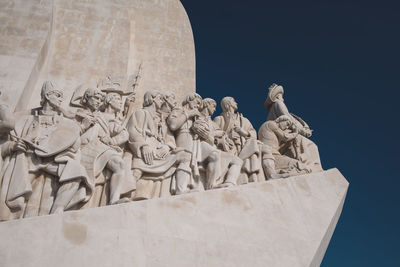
(101, 128)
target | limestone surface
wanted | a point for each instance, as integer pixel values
(75, 42)
(282, 222)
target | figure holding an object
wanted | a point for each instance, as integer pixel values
(284, 124)
(44, 172)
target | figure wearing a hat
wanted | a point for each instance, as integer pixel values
(276, 107)
(300, 148)
(44, 172)
(103, 137)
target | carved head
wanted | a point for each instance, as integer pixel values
(169, 101)
(51, 94)
(284, 122)
(209, 106)
(275, 93)
(113, 100)
(228, 104)
(93, 98)
(193, 101)
(153, 97)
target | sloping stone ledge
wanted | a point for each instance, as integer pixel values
(287, 222)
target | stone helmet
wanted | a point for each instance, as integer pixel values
(47, 87)
(273, 92)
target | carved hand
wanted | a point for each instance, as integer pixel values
(147, 155)
(193, 113)
(87, 122)
(203, 132)
(241, 131)
(106, 140)
(163, 151)
(19, 146)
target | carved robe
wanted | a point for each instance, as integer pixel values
(149, 129)
(96, 154)
(307, 148)
(201, 151)
(30, 180)
(247, 148)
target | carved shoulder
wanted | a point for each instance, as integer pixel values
(219, 121)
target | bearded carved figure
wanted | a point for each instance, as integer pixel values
(42, 173)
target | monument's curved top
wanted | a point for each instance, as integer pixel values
(76, 42)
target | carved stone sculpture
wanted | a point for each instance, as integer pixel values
(302, 148)
(155, 157)
(276, 135)
(42, 173)
(241, 138)
(103, 137)
(204, 156)
(230, 165)
(102, 151)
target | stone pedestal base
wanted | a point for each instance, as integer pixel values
(286, 222)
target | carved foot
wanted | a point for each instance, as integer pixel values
(224, 185)
(57, 210)
(279, 176)
(120, 201)
(253, 178)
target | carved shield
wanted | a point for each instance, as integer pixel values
(61, 138)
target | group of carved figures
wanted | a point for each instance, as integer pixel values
(106, 152)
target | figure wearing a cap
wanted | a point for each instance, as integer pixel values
(230, 165)
(277, 134)
(155, 155)
(103, 137)
(301, 148)
(43, 154)
(204, 156)
(276, 107)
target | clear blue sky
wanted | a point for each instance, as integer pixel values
(339, 64)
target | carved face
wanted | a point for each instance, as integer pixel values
(95, 101)
(55, 98)
(284, 125)
(234, 105)
(170, 99)
(158, 101)
(211, 108)
(195, 103)
(115, 101)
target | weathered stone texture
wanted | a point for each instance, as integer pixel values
(90, 39)
(24, 28)
(285, 222)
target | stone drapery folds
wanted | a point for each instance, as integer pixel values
(101, 151)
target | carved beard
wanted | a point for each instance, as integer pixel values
(53, 104)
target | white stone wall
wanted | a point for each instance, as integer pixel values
(90, 39)
(285, 222)
(24, 28)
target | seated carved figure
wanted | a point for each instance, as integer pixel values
(155, 156)
(43, 171)
(279, 135)
(240, 139)
(103, 137)
(204, 156)
(207, 130)
(108, 152)
(303, 148)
